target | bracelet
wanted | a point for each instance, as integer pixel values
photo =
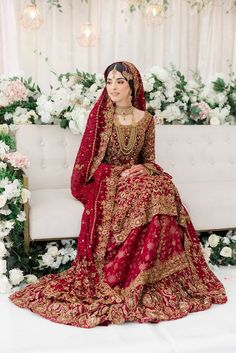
(150, 171)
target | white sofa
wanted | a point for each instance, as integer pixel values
(201, 159)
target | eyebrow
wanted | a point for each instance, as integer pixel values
(119, 78)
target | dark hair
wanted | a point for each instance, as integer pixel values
(121, 67)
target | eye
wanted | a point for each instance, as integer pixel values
(121, 82)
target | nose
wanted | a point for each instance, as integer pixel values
(114, 86)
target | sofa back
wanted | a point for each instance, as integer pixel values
(197, 153)
(51, 151)
(192, 154)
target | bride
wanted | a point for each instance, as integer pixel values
(138, 255)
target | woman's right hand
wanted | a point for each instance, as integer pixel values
(135, 170)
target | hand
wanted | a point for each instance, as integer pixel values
(135, 171)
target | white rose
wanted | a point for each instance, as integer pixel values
(226, 240)
(160, 73)
(5, 228)
(73, 125)
(93, 88)
(148, 82)
(32, 114)
(4, 148)
(8, 116)
(12, 190)
(192, 85)
(16, 276)
(3, 166)
(226, 252)
(31, 279)
(4, 128)
(20, 119)
(213, 240)
(21, 217)
(5, 285)
(215, 121)
(57, 263)
(3, 201)
(25, 195)
(5, 210)
(65, 259)
(3, 249)
(47, 259)
(53, 251)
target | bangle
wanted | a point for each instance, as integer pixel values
(150, 172)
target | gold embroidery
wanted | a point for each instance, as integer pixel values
(168, 288)
(104, 138)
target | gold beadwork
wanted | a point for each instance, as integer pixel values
(127, 75)
(124, 110)
(126, 148)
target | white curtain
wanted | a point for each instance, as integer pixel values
(9, 61)
(191, 41)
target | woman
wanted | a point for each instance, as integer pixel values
(138, 255)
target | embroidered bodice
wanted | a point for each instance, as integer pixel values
(143, 150)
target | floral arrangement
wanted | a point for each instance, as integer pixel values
(134, 5)
(177, 101)
(220, 249)
(18, 99)
(170, 97)
(199, 4)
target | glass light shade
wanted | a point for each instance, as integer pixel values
(88, 35)
(154, 14)
(31, 17)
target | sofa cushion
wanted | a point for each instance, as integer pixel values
(211, 206)
(54, 213)
(51, 151)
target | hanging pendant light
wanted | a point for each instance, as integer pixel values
(31, 17)
(155, 13)
(87, 35)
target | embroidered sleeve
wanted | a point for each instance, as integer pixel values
(148, 150)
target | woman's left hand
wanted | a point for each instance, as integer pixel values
(134, 171)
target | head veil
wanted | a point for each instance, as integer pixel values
(98, 130)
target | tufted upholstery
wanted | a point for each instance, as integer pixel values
(201, 159)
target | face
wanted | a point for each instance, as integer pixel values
(118, 88)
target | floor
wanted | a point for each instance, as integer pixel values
(213, 331)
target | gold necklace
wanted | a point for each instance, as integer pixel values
(124, 111)
(126, 148)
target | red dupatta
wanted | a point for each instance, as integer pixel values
(96, 136)
(93, 183)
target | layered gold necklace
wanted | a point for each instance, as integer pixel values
(125, 111)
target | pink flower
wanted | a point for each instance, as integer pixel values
(17, 160)
(204, 110)
(15, 91)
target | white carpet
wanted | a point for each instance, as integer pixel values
(211, 331)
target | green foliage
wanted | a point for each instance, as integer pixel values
(8, 140)
(219, 85)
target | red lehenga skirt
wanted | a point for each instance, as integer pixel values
(138, 260)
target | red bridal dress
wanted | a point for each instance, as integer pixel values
(138, 255)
